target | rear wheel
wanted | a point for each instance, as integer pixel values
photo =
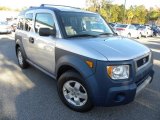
(152, 35)
(146, 35)
(9, 32)
(21, 59)
(73, 92)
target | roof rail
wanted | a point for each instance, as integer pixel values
(32, 7)
(43, 5)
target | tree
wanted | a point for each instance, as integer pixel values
(115, 13)
(4, 8)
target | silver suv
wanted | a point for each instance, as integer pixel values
(92, 65)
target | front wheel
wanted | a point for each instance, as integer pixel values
(73, 92)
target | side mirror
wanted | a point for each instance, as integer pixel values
(47, 32)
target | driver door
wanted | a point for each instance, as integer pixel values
(43, 54)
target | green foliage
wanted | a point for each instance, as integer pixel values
(9, 9)
(117, 13)
(154, 14)
(4, 8)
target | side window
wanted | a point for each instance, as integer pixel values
(28, 21)
(44, 20)
(134, 27)
(20, 23)
(130, 27)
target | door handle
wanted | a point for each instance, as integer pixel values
(31, 40)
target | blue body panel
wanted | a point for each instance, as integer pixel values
(102, 89)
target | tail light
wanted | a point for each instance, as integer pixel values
(120, 29)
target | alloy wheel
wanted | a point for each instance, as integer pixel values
(75, 93)
(20, 58)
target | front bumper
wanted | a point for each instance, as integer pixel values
(126, 94)
(105, 92)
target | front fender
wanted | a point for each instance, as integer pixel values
(78, 63)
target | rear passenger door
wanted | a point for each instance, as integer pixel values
(25, 28)
(150, 33)
(43, 53)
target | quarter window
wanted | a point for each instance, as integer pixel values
(20, 23)
(28, 22)
(44, 20)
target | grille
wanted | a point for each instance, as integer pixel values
(143, 76)
(142, 61)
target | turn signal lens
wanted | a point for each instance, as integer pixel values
(109, 70)
(89, 63)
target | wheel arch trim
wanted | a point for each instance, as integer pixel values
(18, 42)
(74, 62)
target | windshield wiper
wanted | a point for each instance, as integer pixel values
(82, 35)
(106, 34)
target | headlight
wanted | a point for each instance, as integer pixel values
(118, 72)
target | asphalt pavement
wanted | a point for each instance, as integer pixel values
(31, 95)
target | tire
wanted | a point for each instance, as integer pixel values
(9, 32)
(146, 35)
(129, 35)
(68, 92)
(21, 59)
(139, 36)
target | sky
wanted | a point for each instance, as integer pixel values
(74, 3)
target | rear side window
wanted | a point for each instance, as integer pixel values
(131, 27)
(25, 22)
(20, 23)
(44, 20)
(28, 22)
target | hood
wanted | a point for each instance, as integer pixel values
(118, 48)
(112, 48)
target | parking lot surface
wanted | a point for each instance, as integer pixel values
(31, 95)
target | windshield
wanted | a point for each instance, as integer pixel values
(142, 27)
(112, 24)
(79, 24)
(121, 26)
